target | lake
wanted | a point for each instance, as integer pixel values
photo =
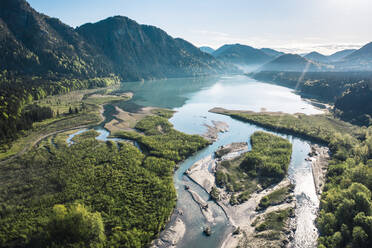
(191, 98)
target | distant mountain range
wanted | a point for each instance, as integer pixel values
(242, 54)
(272, 52)
(293, 62)
(337, 56)
(317, 57)
(360, 59)
(34, 43)
(207, 49)
(345, 60)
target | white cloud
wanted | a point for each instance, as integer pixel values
(287, 44)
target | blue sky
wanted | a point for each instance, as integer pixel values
(288, 25)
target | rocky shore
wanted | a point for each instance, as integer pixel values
(319, 157)
(173, 233)
(212, 131)
(243, 215)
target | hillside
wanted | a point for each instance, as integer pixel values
(272, 52)
(141, 51)
(340, 54)
(317, 57)
(360, 59)
(206, 49)
(291, 62)
(42, 56)
(33, 43)
(241, 54)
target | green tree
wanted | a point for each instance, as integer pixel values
(75, 224)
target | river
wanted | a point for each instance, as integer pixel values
(191, 98)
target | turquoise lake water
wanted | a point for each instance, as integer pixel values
(191, 98)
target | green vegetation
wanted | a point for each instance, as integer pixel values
(325, 85)
(266, 164)
(215, 193)
(270, 230)
(320, 128)
(350, 91)
(70, 110)
(346, 204)
(269, 158)
(22, 105)
(275, 198)
(93, 194)
(274, 220)
(161, 140)
(71, 225)
(355, 105)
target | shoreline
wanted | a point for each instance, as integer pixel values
(319, 158)
(241, 216)
(173, 232)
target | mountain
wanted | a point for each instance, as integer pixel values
(317, 57)
(207, 49)
(359, 60)
(340, 55)
(271, 52)
(355, 105)
(362, 54)
(241, 54)
(141, 51)
(33, 43)
(292, 62)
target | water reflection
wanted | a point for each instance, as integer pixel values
(192, 98)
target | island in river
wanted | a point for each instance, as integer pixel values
(192, 114)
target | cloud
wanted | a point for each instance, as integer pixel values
(286, 44)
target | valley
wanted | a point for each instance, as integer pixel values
(115, 133)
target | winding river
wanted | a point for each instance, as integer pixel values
(192, 98)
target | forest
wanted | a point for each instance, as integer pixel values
(161, 140)
(345, 218)
(351, 92)
(18, 93)
(266, 164)
(93, 194)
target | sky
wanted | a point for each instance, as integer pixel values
(297, 26)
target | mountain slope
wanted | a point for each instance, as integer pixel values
(340, 55)
(362, 54)
(241, 54)
(360, 60)
(141, 51)
(35, 43)
(207, 49)
(291, 62)
(272, 52)
(317, 57)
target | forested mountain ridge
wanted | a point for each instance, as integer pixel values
(242, 54)
(206, 49)
(292, 62)
(42, 56)
(140, 51)
(34, 43)
(271, 52)
(318, 57)
(340, 54)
